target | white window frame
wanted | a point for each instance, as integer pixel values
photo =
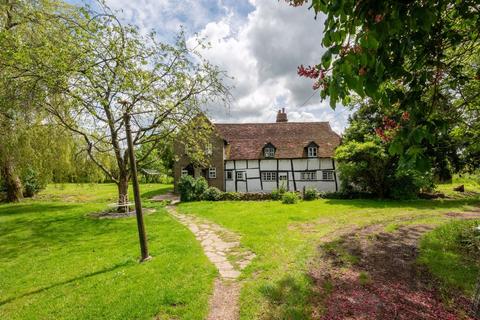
(208, 150)
(212, 173)
(283, 175)
(328, 175)
(312, 152)
(184, 172)
(240, 175)
(269, 176)
(269, 152)
(228, 172)
(308, 175)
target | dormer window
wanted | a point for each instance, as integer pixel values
(269, 150)
(312, 150)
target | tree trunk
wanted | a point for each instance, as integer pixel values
(476, 301)
(122, 193)
(12, 182)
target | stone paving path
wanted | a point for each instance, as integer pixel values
(222, 247)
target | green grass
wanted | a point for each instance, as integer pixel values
(447, 257)
(471, 183)
(56, 262)
(285, 238)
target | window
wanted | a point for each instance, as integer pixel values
(229, 175)
(283, 176)
(309, 175)
(327, 175)
(184, 172)
(240, 175)
(269, 176)
(212, 173)
(312, 152)
(269, 152)
(208, 150)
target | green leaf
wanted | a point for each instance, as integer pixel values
(396, 148)
(327, 59)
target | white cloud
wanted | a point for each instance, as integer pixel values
(260, 43)
(262, 55)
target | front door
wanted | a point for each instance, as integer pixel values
(283, 179)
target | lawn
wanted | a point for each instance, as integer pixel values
(285, 238)
(451, 253)
(56, 262)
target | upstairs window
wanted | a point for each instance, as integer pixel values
(212, 173)
(208, 150)
(269, 152)
(312, 152)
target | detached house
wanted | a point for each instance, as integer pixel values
(261, 157)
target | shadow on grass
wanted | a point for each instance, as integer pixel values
(417, 204)
(47, 226)
(26, 208)
(54, 285)
(149, 194)
(287, 299)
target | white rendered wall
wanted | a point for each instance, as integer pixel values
(252, 182)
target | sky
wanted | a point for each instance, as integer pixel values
(259, 43)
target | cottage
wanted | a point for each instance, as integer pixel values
(261, 157)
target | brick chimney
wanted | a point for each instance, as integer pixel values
(282, 116)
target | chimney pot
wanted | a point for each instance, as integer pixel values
(282, 116)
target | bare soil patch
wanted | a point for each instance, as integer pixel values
(371, 274)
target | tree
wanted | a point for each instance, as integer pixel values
(26, 32)
(412, 55)
(162, 86)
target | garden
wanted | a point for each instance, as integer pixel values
(59, 261)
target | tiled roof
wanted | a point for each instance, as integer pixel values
(246, 140)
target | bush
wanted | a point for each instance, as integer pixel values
(232, 196)
(310, 194)
(290, 198)
(191, 189)
(31, 183)
(201, 185)
(407, 184)
(278, 193)
(212, 194)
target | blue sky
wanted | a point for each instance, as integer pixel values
(259, 43)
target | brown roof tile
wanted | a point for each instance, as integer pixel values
(246, 140)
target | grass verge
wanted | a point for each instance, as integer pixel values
(57, 262)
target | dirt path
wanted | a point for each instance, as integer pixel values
(372, 274)
(223, 249)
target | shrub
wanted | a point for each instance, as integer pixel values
(310, 194)
(407, 184)
(212, 194)
(201, 185)
(232, 196)
(31, 183)
(278, 193)
(186, 188)
(290, 198)
(191, 189)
